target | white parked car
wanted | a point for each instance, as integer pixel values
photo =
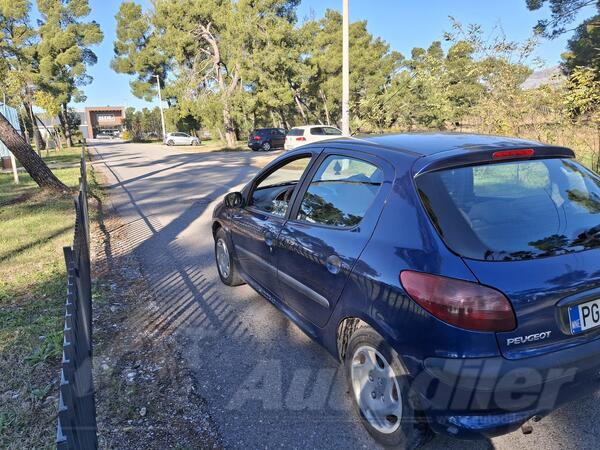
(298, 136)
(179, 138)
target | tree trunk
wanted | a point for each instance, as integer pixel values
(284, 121)
(30, 160)
(300, 108)
(64, 120)
(229, 133)
(326, 109)
(25, 131)
(51, 135)
(37, 137)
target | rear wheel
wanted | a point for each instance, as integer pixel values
(224, 259)
(266, 146)
(380, 392)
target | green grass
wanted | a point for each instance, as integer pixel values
(35, 227)
(68, 155)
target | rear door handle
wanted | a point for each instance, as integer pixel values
(334, 264)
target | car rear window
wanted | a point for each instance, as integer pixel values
(296, 132)
(514, 210)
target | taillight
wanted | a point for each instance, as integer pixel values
(301, 138)
(460, 303)
(257, 138)
(518, 153)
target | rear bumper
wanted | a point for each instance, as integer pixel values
(470, 398)
(255, 145)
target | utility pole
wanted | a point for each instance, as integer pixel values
(345, 72)
(160, 105)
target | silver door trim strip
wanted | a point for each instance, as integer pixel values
(303, 289)
(287, 279)
(257, 259)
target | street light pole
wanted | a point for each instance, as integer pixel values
(345, 72)
(160, 105)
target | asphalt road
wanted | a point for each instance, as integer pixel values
(265, 383)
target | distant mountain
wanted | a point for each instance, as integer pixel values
(551, 75)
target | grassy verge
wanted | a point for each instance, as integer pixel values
(68, 155)
(35, 227)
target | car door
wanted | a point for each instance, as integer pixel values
(256, 226)
(315, 134)
(278, 138)
(331, 221)
(184, 139)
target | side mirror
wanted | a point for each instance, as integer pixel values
(234, 200)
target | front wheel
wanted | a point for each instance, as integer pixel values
(381, 393)
(195, 142)
(225, 262)
(170, 143)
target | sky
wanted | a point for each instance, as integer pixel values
(403, 24)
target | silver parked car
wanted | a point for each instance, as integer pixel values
(179, 138)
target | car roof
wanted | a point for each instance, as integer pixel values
(424, 144)
(434, 151)
(308, 127)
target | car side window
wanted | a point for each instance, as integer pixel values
(273, 194)
(318, 131)
(331, 131)
(341, 192)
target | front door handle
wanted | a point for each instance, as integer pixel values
(334, 264)
(269, 237)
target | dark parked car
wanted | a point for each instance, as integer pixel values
(457, 277)
(266, 139)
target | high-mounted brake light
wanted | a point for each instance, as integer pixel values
(518, 153)
(301, 138)
(460, 303)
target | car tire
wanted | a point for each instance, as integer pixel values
(266, 146)
(170, 143)
(195, 142)
(410, 430)
(224, 259)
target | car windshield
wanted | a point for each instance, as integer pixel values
(514, 210)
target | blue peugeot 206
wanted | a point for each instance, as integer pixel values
(456, 276)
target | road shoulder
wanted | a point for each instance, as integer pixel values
(145, 395)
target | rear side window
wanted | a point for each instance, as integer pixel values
(341, 192)
(330, 131)
(318, 131)
(296, 132)
(514, 210)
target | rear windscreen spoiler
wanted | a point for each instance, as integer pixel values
(489, 155)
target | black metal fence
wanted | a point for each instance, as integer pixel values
(77, 411)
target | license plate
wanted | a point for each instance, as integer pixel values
(584, 316)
